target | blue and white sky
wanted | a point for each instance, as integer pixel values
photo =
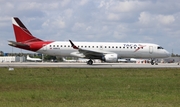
(152, 21)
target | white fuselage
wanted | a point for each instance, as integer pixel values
(123, 50)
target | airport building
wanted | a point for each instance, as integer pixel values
(15, 57)
(1, 53)
(12, 59)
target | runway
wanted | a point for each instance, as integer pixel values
(84, 65)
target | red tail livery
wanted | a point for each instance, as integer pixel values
(24, 39)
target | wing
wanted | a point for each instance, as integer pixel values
(90, 54)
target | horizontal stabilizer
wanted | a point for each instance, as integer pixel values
(17, 44)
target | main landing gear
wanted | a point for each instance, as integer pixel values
(90, 62)
(153, 62)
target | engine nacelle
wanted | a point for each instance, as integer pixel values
(110, 58)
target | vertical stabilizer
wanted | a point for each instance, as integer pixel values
(22, 34)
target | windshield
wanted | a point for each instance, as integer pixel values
(159, 47)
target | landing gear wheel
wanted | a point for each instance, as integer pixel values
(90, 62)
(152, 62)
(156, 63)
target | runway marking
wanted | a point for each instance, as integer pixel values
(84, 65)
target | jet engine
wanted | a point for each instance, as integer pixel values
(110, 58)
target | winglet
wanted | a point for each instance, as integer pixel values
(72, 44)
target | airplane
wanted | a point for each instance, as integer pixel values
(84, 60)
(33, 59)
(105, 51)
(68, 60)
(122, 60)
(133, 60)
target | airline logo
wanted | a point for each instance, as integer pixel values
(130, 45)
(135, 46)
(140, 47)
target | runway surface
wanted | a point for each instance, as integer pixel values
(84, 65)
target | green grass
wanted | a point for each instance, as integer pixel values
(77, 87)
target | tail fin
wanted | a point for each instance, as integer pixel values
(22, 34)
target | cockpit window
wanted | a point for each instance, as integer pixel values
(159, 47)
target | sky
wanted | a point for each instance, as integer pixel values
(146, 21)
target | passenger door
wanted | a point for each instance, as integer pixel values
(150, 49)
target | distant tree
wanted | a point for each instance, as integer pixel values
(37, 55)
(175, 55)
(49, 57)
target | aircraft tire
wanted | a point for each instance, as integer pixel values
(90, 62)
(152, 62)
